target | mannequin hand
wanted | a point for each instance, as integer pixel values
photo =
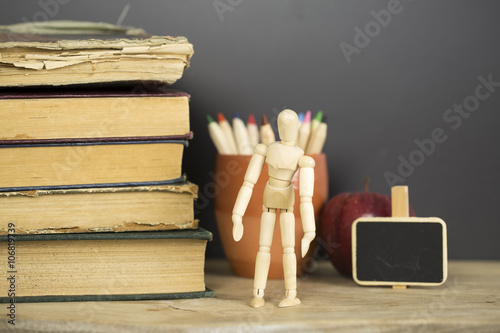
(306, 241)
(237, 227)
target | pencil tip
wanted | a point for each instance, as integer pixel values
(209, 119)
(307, 117)
(220, 117)
(235, 115)
(264, 120)
(301, 117)
(251, 119)
(319, 115)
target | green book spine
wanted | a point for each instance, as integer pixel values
(106, 298)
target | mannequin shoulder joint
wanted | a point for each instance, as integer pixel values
(306, 162)
(260, 149)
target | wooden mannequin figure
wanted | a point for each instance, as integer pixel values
(283, 159)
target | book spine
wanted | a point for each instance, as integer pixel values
(83, 186)
(109, 140)
(38, 144)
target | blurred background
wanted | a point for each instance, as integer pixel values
(386, 73)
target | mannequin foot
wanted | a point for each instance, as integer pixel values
(257, 302)
(258, 298)
(290, 299)
(286, 302)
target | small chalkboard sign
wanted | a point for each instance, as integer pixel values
(399, 251)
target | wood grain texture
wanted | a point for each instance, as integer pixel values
(400, 201)
(468, 302)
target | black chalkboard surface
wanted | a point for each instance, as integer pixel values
(399, 251)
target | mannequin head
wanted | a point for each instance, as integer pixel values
(288, 125)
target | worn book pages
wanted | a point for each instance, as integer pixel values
(90, 265)
(108, 209)
(98, 113)
(98, 164)
(88, 55)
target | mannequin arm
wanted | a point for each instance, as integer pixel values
(306, 190)
(251, 177)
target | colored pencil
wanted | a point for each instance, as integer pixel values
(304, 131)
(266, 131)
(241, 136)
(318, 139)
(316, 121)
(301, 118)
(228, 133)
(253, 131)
(218, 137)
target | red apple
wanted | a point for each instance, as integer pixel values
(337, 218)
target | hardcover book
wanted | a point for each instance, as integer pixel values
(92, 114)
(107, 209)
(90, 164)
(105, 266)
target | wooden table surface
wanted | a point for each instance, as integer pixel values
(468, 302)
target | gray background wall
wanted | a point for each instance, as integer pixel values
(260, 57)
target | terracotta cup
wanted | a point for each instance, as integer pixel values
(229, 173)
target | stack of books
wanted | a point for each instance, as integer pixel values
(93, 202)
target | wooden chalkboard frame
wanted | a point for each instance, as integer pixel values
(399, 219)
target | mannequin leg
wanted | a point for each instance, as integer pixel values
(263, 261)
(287, 224)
